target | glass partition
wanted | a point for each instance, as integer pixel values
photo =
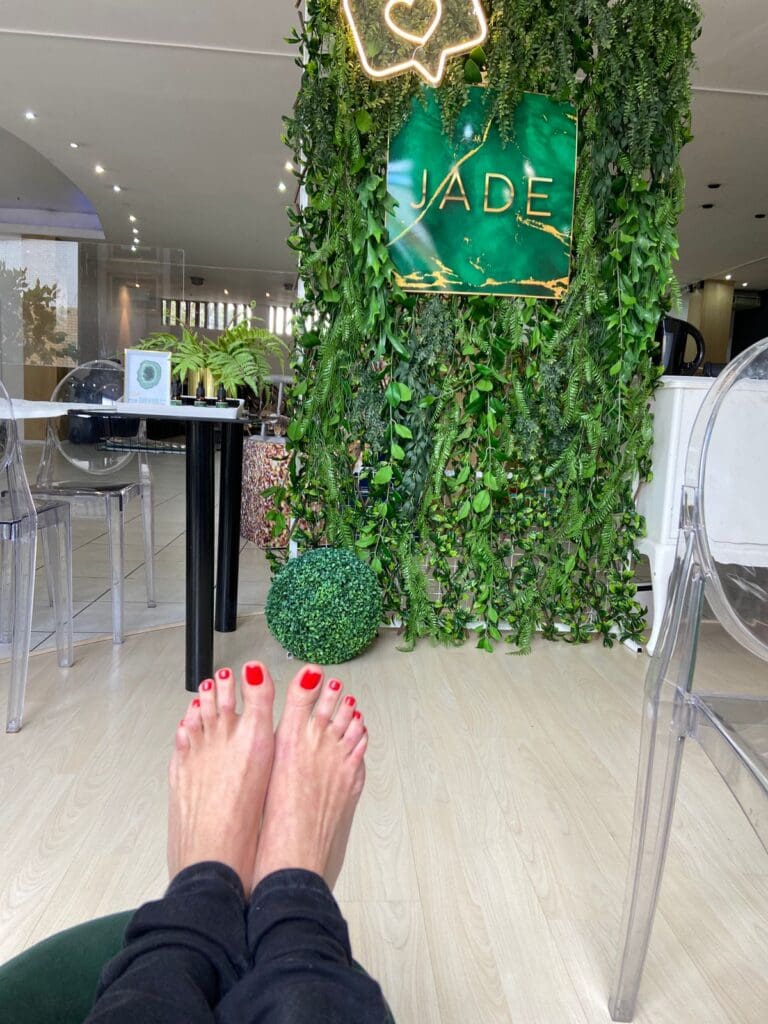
(64, 303)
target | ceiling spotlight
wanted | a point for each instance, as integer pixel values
(714, 184)
(289, 165)
(137, 241)
(98, 169)
(74, 145)
(729, 277)
(30, 115)
(744, 284)
(135, 231)
(137, 285)
(268, 295)
(226, 291)
(131, 218)
(282, 187)
(133, 248)
(117, 188)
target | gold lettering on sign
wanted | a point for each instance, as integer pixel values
(537, 195)
(487, 208)
(455, 179)
(418, 206)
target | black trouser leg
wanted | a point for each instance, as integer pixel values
(302, 969)
(182, 953)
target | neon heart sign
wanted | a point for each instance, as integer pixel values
(388, 42)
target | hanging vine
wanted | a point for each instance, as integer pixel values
(482, 452)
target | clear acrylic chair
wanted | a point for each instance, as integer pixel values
(85, 441)
(20, 520)
(722, 554)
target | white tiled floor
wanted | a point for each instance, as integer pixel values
(90, 571)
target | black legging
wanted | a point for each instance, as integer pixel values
(201, 955)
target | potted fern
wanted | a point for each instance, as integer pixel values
(239, 357)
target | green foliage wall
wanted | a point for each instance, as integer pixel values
(538, 411)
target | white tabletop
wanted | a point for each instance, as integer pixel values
(24, 409)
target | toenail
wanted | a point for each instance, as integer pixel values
(181, 722)
(206, 685)
(334, 685)
(310, 679)
(254, 673)
(224, 673)
(350, 701)
(357, 715)
(196, 703)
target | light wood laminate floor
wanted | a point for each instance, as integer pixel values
(486, 871)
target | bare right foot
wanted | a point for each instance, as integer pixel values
(318, 775)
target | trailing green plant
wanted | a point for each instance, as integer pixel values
(500, 439)
(324, 607)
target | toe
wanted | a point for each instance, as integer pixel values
(257, 688)
(354, 731)
(343, 716)
(193, 720)
(207, 694)
(304, 689)
(327, 701)
(181, 742)
(225, 691)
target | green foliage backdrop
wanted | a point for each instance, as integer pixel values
(501, 439)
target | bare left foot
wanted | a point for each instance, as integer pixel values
(219, 773)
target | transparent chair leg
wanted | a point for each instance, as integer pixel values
(666, 723)
(24, 553)
(6, 591)
(59, 572)
(148, 522)
(116, 546)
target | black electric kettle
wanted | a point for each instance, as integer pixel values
(672, 338)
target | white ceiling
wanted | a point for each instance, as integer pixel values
(182, 103)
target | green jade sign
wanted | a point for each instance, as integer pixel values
(475, 215)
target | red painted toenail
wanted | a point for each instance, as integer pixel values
(310, 679)
(335, 685)
(206, 685)
(254, 673)
(181, 722)
(357, 715)
(224, 673)
(196, 703)
(350, 701)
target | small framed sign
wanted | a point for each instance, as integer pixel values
(147, 377)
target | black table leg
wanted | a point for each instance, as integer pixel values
(230, 492)
(200, 515)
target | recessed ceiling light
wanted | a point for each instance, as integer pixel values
(135, 231)
(131, 218)
(744, 284)
(133, 248)
(74, 145)
(268, 295)
(226, 291)
(707, 206)
(98, 169)
(137, 241)
(30, 115)
(137, 285)
(282, 187)
(714, 184)
(729, 277)
(289, 165)
(117, 188)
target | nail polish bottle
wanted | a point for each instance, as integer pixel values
(200, 394)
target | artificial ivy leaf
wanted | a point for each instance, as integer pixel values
(484, 644)
(484, 385)
(490, 481)
(392, 394)
(376, 565)
(615, 370)
(397, 452)
(295, 430)
(363, 121)
(463, 510)
(481, 501)
(405, 392)
(366, 541)
(463, 474)
(402, 431)
(472, 73)
(383, 476)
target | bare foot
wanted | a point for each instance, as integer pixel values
(219, 773)
(317, 778)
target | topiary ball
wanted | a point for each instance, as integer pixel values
(325, 606)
